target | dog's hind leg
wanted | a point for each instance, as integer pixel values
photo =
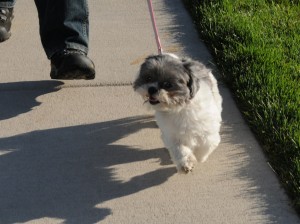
(207, 146)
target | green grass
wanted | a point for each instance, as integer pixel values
(256, 46)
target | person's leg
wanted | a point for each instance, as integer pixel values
(64, 30)
(6, 16)
(63, 24)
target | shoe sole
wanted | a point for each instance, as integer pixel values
(73, 75)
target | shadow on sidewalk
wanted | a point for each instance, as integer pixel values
(65, 172)
(14, 102)
(181, 32)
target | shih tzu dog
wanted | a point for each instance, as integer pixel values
(187, 104)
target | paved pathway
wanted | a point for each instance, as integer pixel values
(89, 152)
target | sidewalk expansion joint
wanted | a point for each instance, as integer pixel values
(54, 85)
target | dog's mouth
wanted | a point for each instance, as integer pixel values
(152, 100)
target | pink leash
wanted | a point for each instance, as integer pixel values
(154, 27)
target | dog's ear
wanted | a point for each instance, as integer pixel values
(192, 68)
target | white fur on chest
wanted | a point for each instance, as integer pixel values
(196, 119)
(192, 128)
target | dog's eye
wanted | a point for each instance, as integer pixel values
(148, 78)
(166, 85)
(181, 81)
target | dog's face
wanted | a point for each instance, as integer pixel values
(166, 82)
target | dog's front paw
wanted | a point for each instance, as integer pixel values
(187, 164)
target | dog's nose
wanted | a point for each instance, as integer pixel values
(152, 90)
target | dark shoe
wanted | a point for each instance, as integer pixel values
(6, 16)
(72, 64)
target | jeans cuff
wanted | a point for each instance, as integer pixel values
(9, 4)
(77, 47)
(74, 46)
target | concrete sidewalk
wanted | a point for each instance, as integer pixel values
(89, 152)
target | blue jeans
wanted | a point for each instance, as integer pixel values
(64, 24)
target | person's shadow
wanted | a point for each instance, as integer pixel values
(18, 97)
(65, 172)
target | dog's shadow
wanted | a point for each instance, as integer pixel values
(65, 172)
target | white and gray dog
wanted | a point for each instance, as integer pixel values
(188, 106)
